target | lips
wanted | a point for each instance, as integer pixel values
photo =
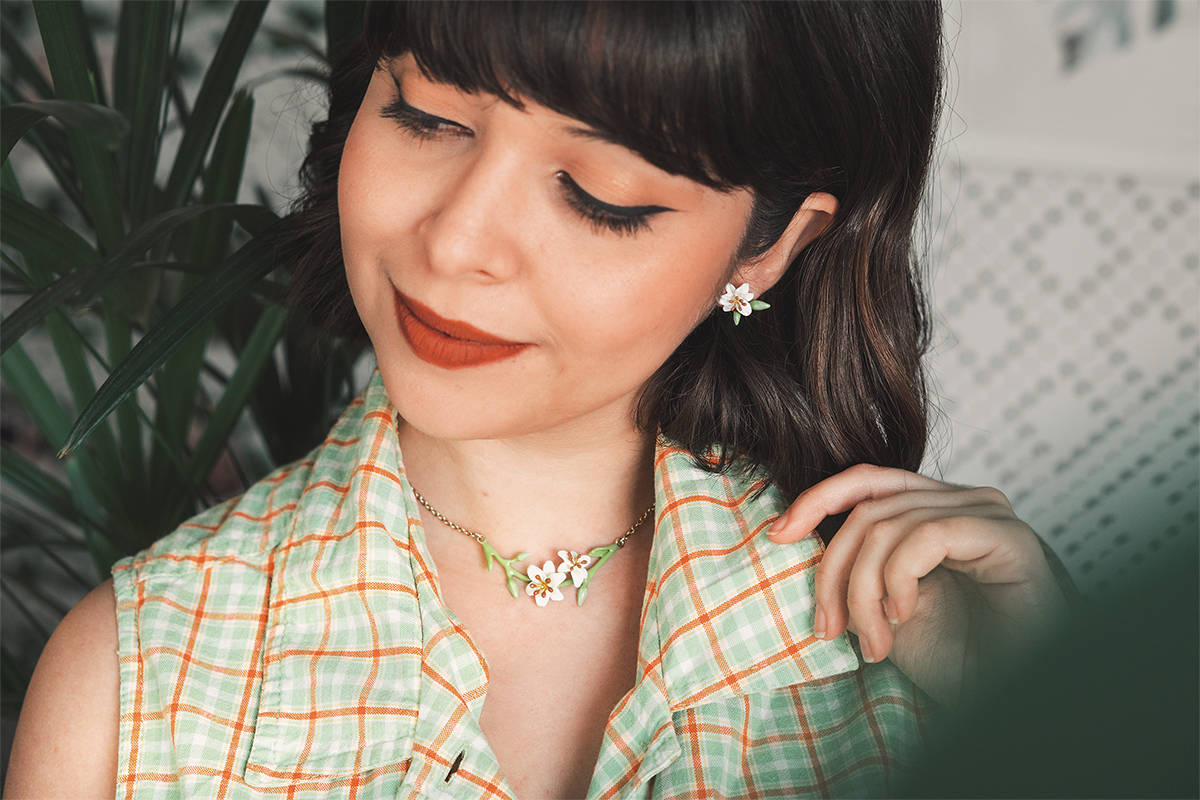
(448, 343)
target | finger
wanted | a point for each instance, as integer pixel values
(832, 581)
(844, 491)
(868, 589)
(911, 560)
(869, 511)
(833, 614)
(883, 590)
(989, 548)
(963, 539)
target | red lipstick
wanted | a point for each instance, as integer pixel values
(448, 343)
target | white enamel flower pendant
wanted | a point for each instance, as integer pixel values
(574, 565)
(543, 583)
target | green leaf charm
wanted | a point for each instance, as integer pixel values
(601, 554)
(510, 574)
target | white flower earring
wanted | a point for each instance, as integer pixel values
(740, 301)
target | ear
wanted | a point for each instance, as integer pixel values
(813, 217)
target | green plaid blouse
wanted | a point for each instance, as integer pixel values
(293, 643)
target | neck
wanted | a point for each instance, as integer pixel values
(570, 489)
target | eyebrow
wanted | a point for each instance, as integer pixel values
(596, 135)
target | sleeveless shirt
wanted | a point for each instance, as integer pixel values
(293, 643)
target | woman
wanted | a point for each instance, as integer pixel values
(611, 257)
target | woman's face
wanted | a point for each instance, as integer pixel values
(516, 271)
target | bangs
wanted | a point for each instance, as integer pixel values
(669, 81)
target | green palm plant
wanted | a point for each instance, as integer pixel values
(139, 280)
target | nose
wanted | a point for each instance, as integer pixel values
(473, 227)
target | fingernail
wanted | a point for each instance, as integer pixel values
(889, 608)
(865, 646)
(819, 624)
(777, 525)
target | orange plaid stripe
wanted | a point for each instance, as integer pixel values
(293, 643)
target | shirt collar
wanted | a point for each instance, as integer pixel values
(728, 612)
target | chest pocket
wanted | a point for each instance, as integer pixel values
(340, 690)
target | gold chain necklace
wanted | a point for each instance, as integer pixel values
(542, 582)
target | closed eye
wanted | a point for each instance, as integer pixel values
(418, 123)
(627, 220)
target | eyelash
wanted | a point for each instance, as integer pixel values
(623, 220)
(418, 125)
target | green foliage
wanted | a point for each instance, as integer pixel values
(142, 282)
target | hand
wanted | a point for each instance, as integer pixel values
(945, 579)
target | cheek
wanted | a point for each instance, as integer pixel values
(360, 192)
(371, 204)
(363, 232)
(353, 186)
(640, 311)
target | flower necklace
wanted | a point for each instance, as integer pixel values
(542, 582)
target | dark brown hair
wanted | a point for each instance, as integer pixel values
(782, 98)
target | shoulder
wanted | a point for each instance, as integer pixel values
(66, 738)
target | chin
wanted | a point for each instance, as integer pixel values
(455, 409)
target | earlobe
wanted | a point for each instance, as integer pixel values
(813, 217)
